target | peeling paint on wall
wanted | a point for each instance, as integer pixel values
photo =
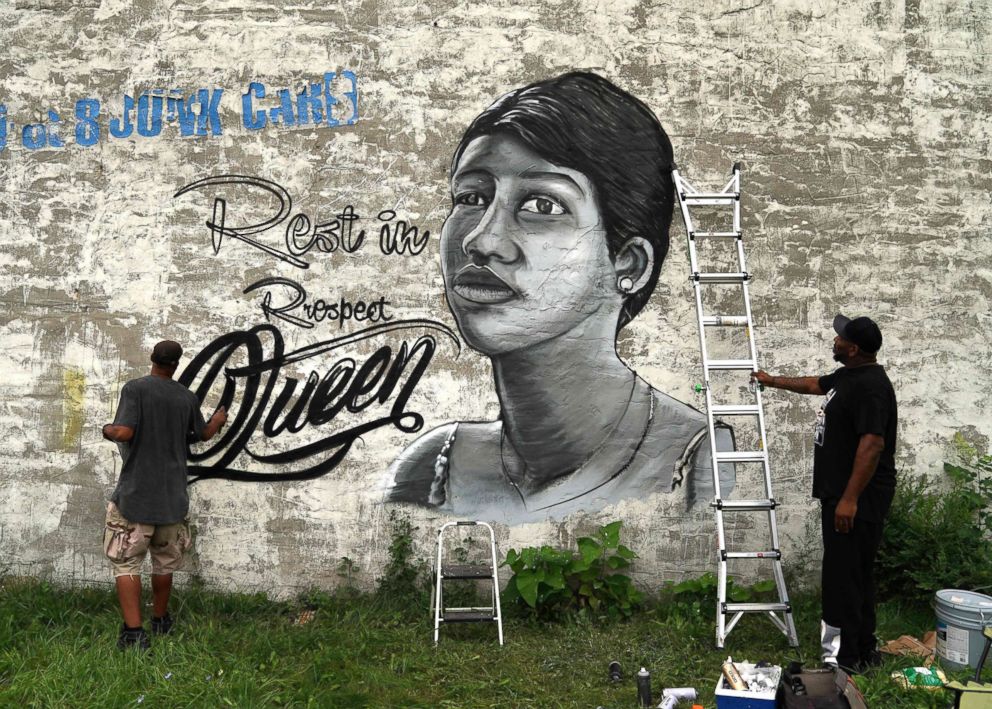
(865, 133)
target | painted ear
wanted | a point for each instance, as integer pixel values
(633, 264)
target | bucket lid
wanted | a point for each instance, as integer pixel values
(965, 600)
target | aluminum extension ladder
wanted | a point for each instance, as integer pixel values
(465, 572)
(730, 197)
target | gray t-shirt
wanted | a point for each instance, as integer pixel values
(165, 417)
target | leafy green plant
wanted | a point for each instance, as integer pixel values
(550, 582)
(937, 535)
(699, 595)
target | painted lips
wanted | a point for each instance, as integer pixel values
(480, 285)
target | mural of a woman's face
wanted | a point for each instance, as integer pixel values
(524, 251)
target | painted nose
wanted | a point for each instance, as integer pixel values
(492, 238)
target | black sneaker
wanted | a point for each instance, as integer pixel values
(163, 625)
(133, 637)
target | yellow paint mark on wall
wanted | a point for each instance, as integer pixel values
(73, 389)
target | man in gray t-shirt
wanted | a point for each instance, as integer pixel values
(156, 421)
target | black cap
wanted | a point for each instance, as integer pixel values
(862, 331)
(167, 353)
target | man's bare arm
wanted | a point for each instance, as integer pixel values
(214, 424)
(870, 448)
(118, 434)
(800, 385)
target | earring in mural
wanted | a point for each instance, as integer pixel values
(625, 284)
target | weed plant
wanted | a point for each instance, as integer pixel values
(699, 595)
(550, 582)
(937, 534)
(403, 579)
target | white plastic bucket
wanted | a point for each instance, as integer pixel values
(961, 615)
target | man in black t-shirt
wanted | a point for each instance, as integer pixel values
(854, 477)
(156, 421)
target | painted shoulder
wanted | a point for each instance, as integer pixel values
(678, 410)
(414, 470)
(693, 463)
(419, 455)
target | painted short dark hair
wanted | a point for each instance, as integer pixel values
(587, 123)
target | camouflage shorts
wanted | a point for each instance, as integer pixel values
(126, 543)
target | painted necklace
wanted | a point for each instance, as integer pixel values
(619, 471)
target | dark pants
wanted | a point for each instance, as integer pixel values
(848, 580)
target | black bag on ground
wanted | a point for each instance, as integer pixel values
(817, 689)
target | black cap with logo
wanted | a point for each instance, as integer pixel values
(862, 331)
(167, 353)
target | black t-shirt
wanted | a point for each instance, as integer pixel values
(165, 417)
(859, 400)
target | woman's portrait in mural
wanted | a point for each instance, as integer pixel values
(562, 199)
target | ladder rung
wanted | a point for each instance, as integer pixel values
(469, 615)
(464, 571)
(756, 608)
(733, 277)
(745, 505)
(474, 609)
(725, 320)
(709, 198)
(733, 234)
(736, 409)
(741, 457)
(771, 554)
(747, 364)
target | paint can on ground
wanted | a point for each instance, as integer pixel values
(644, 688)
(961, 615)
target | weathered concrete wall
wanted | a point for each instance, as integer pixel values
(864, 128)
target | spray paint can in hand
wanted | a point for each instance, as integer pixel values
(644, 687)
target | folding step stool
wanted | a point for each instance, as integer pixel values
(730, 197)
(465, 572)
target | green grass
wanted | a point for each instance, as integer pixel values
(57, 648)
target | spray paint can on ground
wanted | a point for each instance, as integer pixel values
(673, 695)
(644, 687)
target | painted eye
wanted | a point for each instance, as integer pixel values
(542, 205)
(471, 199)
